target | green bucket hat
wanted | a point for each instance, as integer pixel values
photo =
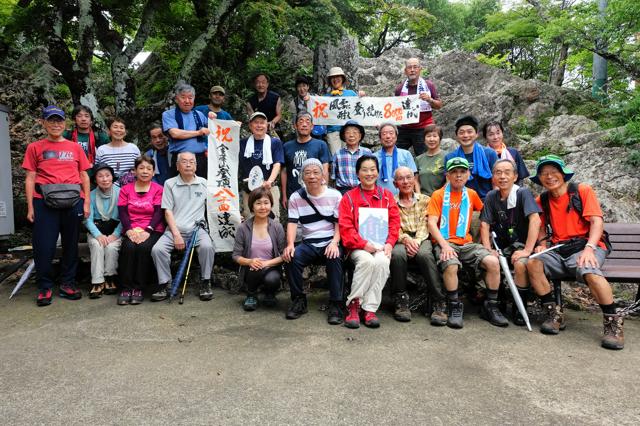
(457, 163)
(554, 160)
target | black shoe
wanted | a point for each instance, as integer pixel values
(136, 297)
(269, 300)
(206, 293)
(456, 311)
(334, 313)
(491, 312)
(298, 308)
(161, 294)
(517, 317)
(402, 312)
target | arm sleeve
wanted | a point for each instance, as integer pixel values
(477, 202)
(590, 203)
(125, 220)
(292, 210)
(277, 152)
(91, 226)
(394, 219)
(205, 120)
(238, 244)
(433, 90)
(167, 199)
(30, 160)
(157, 217)
(349, 235)
(488, 213)
(169, 120)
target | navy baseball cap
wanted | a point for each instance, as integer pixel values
(50, 111)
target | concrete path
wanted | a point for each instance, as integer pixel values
(92, 362)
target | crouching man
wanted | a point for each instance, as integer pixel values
(512, 213)
(449, 220)
(414, 245)
(572, 216)
(183, 200)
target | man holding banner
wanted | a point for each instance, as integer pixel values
(260, 162)
(413, 134)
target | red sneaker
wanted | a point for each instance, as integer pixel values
(371, 320)
(69, 291)
(353, 318)
(44, 297)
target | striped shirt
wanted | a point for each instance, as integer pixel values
(316, 230)
(121, 158)
(343, 168)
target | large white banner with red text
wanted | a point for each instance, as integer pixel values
(367, 111)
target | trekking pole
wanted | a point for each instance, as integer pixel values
(512, 285)
(186, 276)
(183, 263)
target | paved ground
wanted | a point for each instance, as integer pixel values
(92, 362)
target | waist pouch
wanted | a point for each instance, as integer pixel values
(106, 227)
(572, 246)
(60, 195)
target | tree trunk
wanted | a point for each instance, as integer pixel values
(556, 76)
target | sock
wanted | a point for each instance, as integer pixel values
(492, 294)
(547, 298)
(609, 309)
(452, 296)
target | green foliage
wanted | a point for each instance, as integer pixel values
(526, 127)
(498, 60)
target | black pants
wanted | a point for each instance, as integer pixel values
(202, 167)
(48, 223)
(408, 138)
(135, 265)
(268, 278)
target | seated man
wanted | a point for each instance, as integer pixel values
(183, 201)
(512, 213)
(414, 245)
(316, 210)
(449, 219)
(572, 216)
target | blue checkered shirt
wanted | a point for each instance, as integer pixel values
(343, 168)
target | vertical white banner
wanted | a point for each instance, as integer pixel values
(223, 203)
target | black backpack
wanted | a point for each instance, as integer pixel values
(575, 202)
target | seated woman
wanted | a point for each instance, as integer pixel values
(431, 163)
(493, 133)
(118, 154)
(369, 221)
(142, 223)
(258, 247)
(104, 229)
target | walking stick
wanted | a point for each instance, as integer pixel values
(183, 263)
(512, 285)
(186, 276)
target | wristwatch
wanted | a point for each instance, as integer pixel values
(590, 245)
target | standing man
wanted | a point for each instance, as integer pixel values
(414, 245)
(58, 200)
(391, 157)
(265, 101)
(159, 151)
(216, 100)
(412, 135)
(300, 102)
(83, 132)
(184, 201)
(572, 216)
(296, 151)
(449, 219)
(512, 213)
(263, 151)
(187, 129)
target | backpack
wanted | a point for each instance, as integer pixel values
(575, 202)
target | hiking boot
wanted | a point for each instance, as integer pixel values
(161, 294)
(206, 292)
(124, 297)
(136, 297)
(402, 312)
(613, 334)
(250, 304)
(553, 319)
(455, 312)
(334, 313)
(371, 320)
(269, 300)
(491, 312)
(439, 314)
(353, 318)
(69, 291)
(297, 308)
(110, 285)
(517, 317)
(44, 297)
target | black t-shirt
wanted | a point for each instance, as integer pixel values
(510, 225)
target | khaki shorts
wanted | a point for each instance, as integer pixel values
(469, 256)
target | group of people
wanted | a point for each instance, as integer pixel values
(346, 208)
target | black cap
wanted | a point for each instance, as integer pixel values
(101, 166)
(467, 120)
(303, 79)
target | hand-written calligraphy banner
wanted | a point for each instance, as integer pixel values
(366, 110)
(223, 206)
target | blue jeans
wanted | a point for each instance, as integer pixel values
(307, 254)
(48, 223)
